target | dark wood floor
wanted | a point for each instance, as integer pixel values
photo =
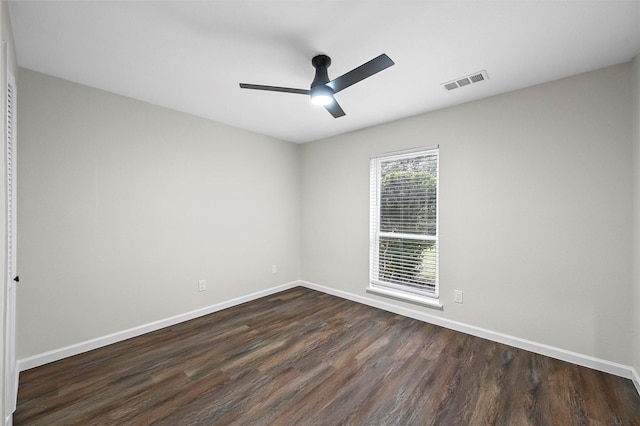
(306, 358)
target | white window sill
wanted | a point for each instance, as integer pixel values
(414, 298)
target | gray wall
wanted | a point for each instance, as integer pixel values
(535, 208)
(636, 211)
(124, 206)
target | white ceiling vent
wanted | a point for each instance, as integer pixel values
(476, 77)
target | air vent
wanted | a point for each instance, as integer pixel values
(476, 77)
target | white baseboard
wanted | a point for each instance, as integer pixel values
(539, 348)
(635, 378)
(58, 354)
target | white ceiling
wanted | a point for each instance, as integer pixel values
(191, 55)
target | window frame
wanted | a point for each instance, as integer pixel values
(395, 290)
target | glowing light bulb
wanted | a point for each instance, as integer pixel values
(321, 95)
(322, 100)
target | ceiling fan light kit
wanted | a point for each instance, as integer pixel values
(322, 89)
(321, 95)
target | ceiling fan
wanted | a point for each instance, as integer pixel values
(322, 90)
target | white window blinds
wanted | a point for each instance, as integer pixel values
(404, 222)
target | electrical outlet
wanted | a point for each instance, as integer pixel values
(274, 269)
(457, 296)
(202, 285)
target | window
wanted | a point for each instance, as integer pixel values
(404, 225)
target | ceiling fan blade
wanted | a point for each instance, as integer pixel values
(335, 109)
(274, 88)
(358, 74)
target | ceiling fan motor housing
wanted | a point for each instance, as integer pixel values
(321, 63)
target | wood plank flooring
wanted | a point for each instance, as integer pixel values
(302, 357)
